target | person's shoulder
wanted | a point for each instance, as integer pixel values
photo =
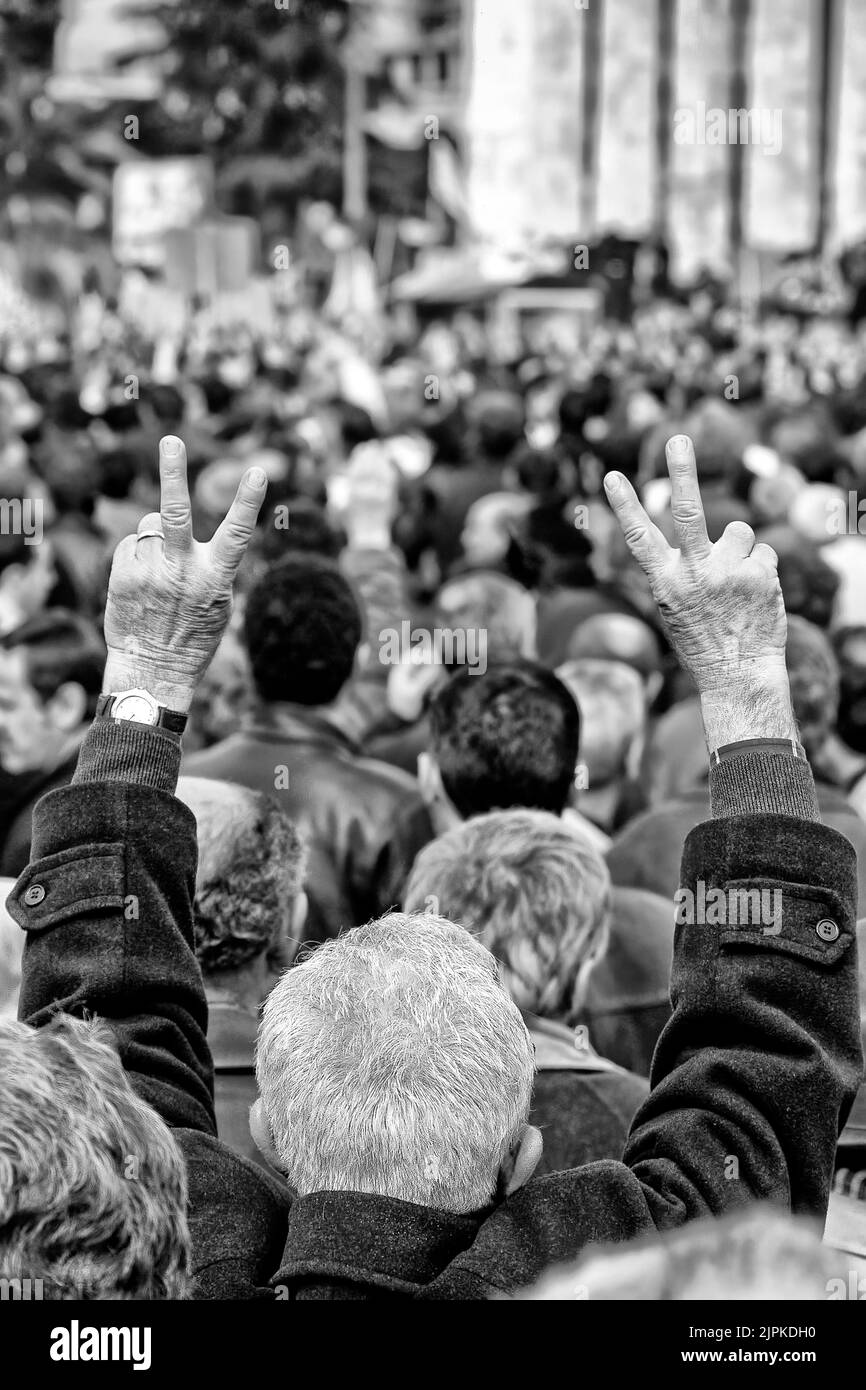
(238, 1218)
(209, 762)
(387, 777)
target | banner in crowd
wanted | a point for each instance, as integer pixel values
(155, 196)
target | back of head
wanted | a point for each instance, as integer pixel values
(92, 1183)
(617, 637)
(302, 628)
(610, 698)
(761, 1253)
(532, 889)
(809, 584)
(250, 871)
(813, 674)
(393, 1062)
(491, 604)
(497, 419)
(507, 737)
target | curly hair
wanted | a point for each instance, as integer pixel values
(251, 868)
(302, 628)
(92, 1182)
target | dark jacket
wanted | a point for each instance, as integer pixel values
(19, 800)
(627, 1002)
(356, 813)
(582, 1103)
(760, 1059)
(646, 852)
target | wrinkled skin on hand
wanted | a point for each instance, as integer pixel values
(169, 601)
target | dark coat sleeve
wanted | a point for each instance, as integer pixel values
(756, 1071)
(752, 1078)
(107, 906)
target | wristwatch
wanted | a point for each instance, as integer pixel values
(139, 707)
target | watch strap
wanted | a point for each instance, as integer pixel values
(171, 720)
(787, 747)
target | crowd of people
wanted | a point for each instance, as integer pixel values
(371, 945)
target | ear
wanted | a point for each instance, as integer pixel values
(521, 1161)
(443, 813)
(67, 706)
(300, 909)
(429, 779)
(261, 1133)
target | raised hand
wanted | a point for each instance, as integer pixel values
(721, 605)
(170, 596)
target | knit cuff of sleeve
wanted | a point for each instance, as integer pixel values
(117, 751)
(766, 782)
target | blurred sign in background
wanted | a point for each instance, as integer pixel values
(153, 197)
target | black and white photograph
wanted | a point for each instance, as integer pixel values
(432, 676)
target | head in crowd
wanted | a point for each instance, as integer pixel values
(490, 524)
(533, 890)
(222, 697)
(393, 1062)
(249, 901)
(295, 524)
(27, 577)
(610, 697)
(496, 424)
(92, 1182)
(809, 584)
(50, 680)
(506, 738)
(620, 637)
(813, 674)
(757, 1254)
(490, 604)
(302, 629)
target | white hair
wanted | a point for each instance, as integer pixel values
(533, 889)
(394, 1062)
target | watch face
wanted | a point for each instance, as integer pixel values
(137, 707)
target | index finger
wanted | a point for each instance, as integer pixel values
(233, 534)
(687, 509)
(174, 505)
(642, 536)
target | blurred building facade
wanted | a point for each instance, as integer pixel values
(577, 117)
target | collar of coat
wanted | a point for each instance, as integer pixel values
(558, 1048)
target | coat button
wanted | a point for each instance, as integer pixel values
(34, 895)
(827, 930)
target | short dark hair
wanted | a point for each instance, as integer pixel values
(60, 646)
(506, 738)
(302, 628)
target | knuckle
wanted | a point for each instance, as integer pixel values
(687, 511)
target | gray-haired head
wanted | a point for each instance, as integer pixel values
(533, 890)
(394, 1062)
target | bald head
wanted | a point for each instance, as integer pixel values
(617, 637)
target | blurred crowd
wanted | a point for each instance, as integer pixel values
(446, 686)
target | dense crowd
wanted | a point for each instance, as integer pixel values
(442, 802)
